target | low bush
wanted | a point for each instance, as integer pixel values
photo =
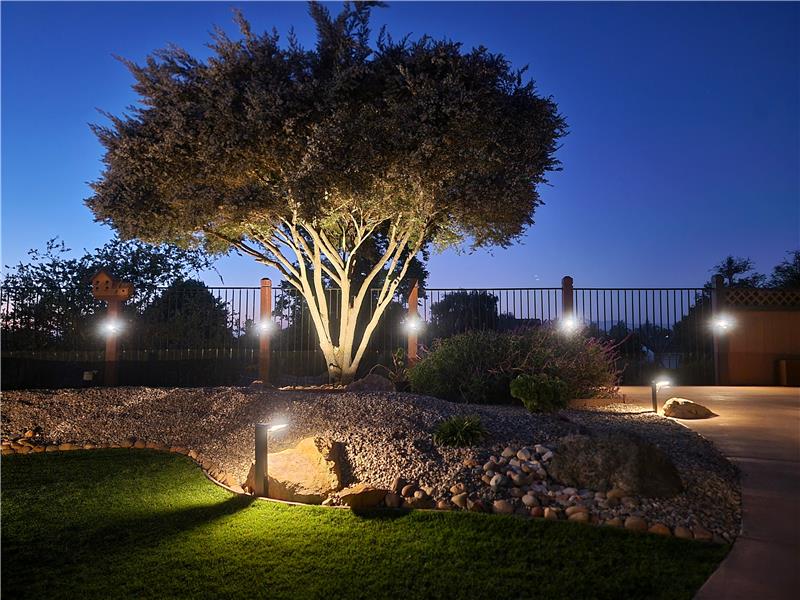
(478, 366)
(540, 393)
(462, 368)
(459, 432)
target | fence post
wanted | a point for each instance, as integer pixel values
(566, 297)
(413, 320)
(720, 346)
(112, 346)
(265, 318)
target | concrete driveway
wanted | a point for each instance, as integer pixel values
(758, 428)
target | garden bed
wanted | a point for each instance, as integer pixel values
(385, 436)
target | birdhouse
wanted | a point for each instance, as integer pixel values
(105, 287)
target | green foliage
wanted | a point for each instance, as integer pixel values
(50, 302)
(540, 393)
(786, 274)
(466, 368)
(397, 373)
(459, 431)
(478, 366)
(405, 130)
(186, 315)
(738, 272)
(463, 310)
(122, 524)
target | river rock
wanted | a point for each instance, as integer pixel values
(361, 495)
(408, 490)
(635, 523)
(581, 517)
(460, 500)
(393, 500)
(660, 529)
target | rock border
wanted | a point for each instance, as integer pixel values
(213, 473)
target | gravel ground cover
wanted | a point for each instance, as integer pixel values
(386, 436)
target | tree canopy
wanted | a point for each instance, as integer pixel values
(738, 272)
(48, 301)
(786, 274)
(306, 159)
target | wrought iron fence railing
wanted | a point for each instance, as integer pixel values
(654, 328)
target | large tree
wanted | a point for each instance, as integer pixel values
(786, 274)
(738, 272)
(310, 160)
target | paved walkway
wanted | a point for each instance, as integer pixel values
(758, 428)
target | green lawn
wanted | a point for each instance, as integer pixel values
(143, 524)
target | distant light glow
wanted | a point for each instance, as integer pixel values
(112, 326)
(569, 325)
(265, 327)
(277, 427)
(413, 324)
(722, 324)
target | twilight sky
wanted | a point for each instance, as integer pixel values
(684, 120)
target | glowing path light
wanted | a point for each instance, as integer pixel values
(263, 430)
(657, 386)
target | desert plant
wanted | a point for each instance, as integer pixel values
(398, 372)
(540, 393)
(459, 431)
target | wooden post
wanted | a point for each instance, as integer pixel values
(113, 293)
(413, 320)
(720, 343)
(265, 322)
(110, 375)
(567, 297)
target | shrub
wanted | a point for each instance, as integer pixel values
(540, 393)
(478, 366)
(459, 432)
(463, 368)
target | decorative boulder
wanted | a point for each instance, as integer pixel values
(617, 460)
(371, 383)
(681, 408)
(361, 495)
(307, 473)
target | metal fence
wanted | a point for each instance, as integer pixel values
(197, 335)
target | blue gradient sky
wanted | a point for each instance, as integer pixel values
(684, 119)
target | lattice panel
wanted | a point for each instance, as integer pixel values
(756, 298)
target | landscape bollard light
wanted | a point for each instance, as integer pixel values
(261, 484)
(655, 387)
